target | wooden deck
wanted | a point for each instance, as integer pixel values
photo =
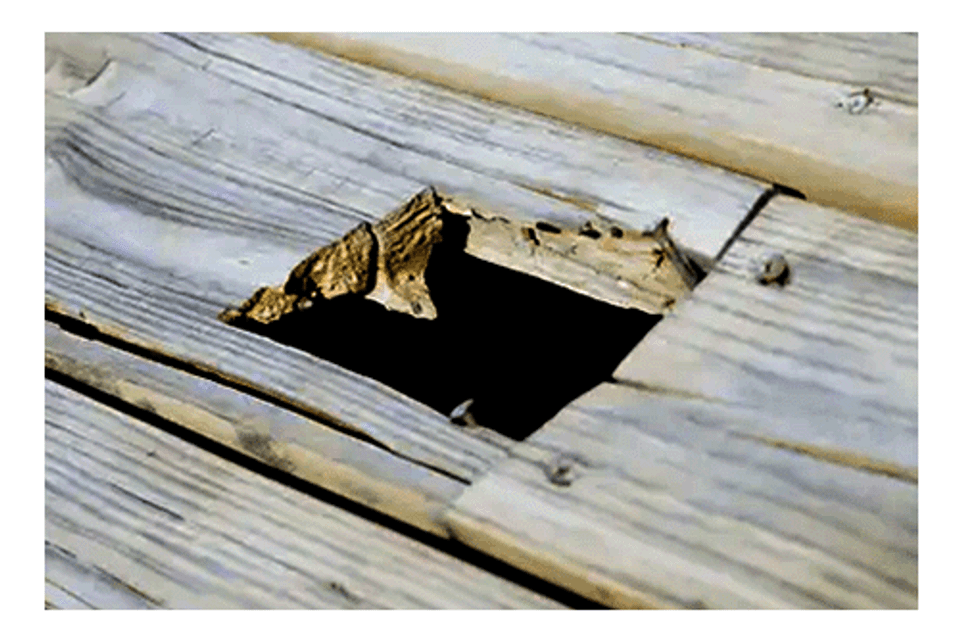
(756, 449)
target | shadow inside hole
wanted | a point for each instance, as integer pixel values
(520, 347)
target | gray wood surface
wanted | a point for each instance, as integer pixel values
(282, 439)
(659, 501)
(159, 282)
(756, 450)
(136, 518)
(829, 360)
(808, 133)
(884, 62)
(759, 446)
(148, 312)
(183, 174)
(351, 141)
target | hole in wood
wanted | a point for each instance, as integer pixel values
(419, 303)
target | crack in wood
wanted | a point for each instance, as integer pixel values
(849, 459)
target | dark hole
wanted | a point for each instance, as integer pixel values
(532, 235)
(546, 226)
(520, 347)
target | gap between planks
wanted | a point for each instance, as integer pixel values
(138, 518)
(664, 505)
(279, 438)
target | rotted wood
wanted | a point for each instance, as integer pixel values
(156, 270)
(759, 446)
(137, 518)
(387, 262)
(184, 172)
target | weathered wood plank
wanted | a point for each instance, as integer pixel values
(638, 499)
(884, 62)
(350, 139)
(71, 584)
(829, 360)
(135, 275)
(807, 133)
(180, 179)
(151, 312)
(166, 524)
(282, 439)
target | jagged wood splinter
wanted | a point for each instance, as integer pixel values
(387, 262)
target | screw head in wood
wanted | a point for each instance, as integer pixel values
(562, 471)
(774, 270)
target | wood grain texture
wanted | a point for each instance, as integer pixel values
(638, 499)
(884, 62)
(136, 518)
(183, 175)
(155, 314)
(159, 282)
(829, 360)
(783, 127)
(347, 139)
(282, 439)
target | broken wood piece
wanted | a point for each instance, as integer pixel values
(643, 270)
(387, 262)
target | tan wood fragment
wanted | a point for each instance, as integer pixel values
(387, 262)
(635, 269)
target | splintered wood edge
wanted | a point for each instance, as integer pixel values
(386, 262)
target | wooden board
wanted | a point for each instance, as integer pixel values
(183, 172)
(884, 62)
(807, 133)
(137, 277)
(341, 139)
(759, 448)
(640, 499)
(136, 518)
(827, 362)
(180, 178)
(282, 439)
